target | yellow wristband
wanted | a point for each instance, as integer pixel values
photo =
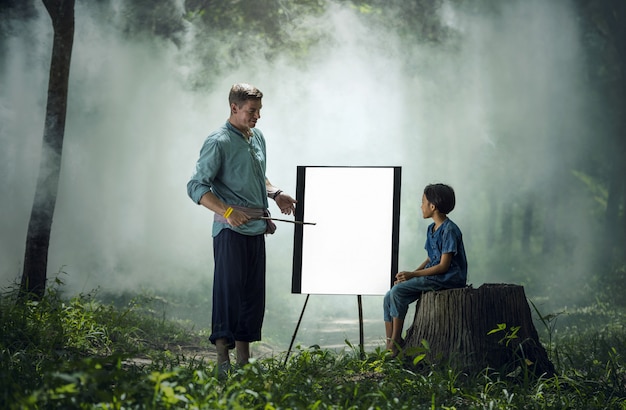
(228, 212)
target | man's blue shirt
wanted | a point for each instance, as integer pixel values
(447, 239)
(234, 170)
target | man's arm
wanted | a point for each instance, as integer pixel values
(285, 202)
(211, 202)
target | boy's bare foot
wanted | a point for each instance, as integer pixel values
(395, 346)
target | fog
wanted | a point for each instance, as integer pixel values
(500, 111)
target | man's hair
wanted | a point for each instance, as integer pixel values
(241, 92)
(442, 196)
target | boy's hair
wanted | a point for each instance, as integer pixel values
(241, 92)
(442, 196)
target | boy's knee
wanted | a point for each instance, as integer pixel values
(395, 294)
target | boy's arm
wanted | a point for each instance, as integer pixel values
(405, 275)
(441, 267)
(426, 262)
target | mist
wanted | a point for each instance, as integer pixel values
(498, 115)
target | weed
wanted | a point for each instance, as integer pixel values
(83, 353)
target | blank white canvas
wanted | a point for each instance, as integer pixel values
(349, 250)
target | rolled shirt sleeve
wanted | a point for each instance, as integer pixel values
(206, 168)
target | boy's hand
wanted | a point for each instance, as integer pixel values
(403, 276)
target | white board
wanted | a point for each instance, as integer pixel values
(353, 247)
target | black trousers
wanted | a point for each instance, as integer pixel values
(238, 287)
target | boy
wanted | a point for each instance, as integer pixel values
(445, 267)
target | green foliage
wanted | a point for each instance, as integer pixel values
(415, 21)
(509, 334)
(80, 353)
(65, 345)
(596, 188)
(257, 32)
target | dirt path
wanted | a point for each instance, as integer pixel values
(199, 350)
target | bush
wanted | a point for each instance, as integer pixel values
(81, 353)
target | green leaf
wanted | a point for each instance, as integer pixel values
(501, 327)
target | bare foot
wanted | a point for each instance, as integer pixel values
(394, 346)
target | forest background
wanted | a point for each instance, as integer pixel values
(517, 104)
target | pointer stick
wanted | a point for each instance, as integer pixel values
(287, 220)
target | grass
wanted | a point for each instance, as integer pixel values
(81, 353)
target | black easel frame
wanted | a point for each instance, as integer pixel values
(361, 329)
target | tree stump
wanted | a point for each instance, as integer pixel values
(473, 329)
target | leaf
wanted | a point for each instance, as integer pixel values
(501, 327)
(418, 358)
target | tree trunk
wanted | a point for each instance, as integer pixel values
(506, 233)
(492, 234)
(549, 223)
(473, 329)
(527, 224)
(614, 14)
(38, 237)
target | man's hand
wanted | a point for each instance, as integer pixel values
(237, 218)
(286, 204)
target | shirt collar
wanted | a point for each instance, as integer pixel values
(231, 127)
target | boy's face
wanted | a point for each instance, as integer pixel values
(428, 209)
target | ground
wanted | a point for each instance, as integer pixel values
(198, 349)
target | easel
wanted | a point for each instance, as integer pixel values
(345, 182)
(361, 332)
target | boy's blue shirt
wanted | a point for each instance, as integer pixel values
(234, 170)
(447, 239)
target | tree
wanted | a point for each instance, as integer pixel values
(40, 225)
(604, 34)
(613, 15)
(145, 17)
(255, 30)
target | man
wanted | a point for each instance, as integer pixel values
(230, 180)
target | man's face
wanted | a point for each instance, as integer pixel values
(247, 115)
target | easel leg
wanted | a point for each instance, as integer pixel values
(295, 332)
(361, 337)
